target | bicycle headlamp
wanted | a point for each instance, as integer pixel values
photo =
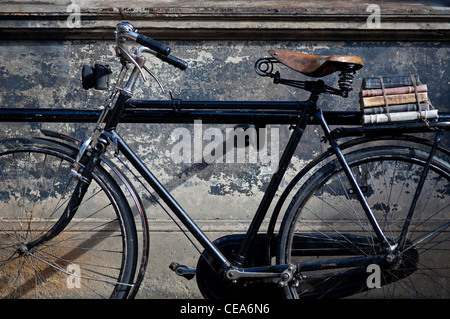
(95, 77)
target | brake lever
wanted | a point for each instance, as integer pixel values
(155, 78)
(131, 59)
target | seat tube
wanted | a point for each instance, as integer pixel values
(298, 130)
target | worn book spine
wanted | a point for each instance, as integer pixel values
(392, 91)
(396, 108)
(389, 82)
(393, 99)
(398, 117)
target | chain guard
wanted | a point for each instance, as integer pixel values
(213, 286)
(343, 283)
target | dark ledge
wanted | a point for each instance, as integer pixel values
(230, 20)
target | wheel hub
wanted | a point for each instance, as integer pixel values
(22, 248)
(405, 262)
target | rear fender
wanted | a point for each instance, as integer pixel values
(357, 142)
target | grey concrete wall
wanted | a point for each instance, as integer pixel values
(46, 74)
(222, 197)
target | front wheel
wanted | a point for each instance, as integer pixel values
(325, 224)
(93, 257)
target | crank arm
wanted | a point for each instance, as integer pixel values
(279, 274)
(182, 270)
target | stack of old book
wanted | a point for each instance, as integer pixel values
(395, 99)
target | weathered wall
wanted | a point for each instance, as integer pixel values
(222, 196)
(46, 74)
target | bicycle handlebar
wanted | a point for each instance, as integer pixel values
(174, 61)
(159, 48)
(161, 51)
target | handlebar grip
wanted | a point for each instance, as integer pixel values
(154, 45)
(172, 60)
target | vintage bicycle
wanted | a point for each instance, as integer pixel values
(377, 196)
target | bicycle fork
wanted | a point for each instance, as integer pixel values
(84, 179)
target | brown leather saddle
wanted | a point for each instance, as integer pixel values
(316, 65)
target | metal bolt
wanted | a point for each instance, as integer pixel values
(285, 276)
(390, 257)
(22, 249)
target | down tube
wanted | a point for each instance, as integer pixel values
(169, 200)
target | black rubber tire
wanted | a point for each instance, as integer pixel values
(341, 218)
(96, 254)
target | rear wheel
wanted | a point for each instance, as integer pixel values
(93, 257)
(325, 223)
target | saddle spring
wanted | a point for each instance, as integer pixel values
(345, 81)
(264, 67)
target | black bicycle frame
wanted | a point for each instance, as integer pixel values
(305, 110)
(298, 114)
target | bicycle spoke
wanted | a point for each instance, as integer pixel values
(87, 259)
(388, 179)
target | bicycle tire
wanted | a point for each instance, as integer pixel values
(95, 256)
(324, 219)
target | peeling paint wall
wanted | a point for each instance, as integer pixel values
(222, 197)
(46, 74)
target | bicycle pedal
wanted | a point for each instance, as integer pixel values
(182, 270)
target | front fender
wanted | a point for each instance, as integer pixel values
(75, 145)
